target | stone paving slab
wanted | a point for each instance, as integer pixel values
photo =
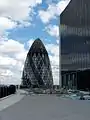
(10, 100)
(47, 107)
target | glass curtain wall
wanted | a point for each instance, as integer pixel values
(75, 40)
(37, 69)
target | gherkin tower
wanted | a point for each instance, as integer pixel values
(75, 43)
(37, 71)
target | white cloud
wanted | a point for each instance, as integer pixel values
(52, 11)
(52, 30)
(61, 6)
(57, 41)
(7, 61)
(12, 57)
(47, 15)
(53, 51)
(11, 46)
(29, 43)
(9, 77)
(18, 13)
(5, 72)
(6, 23)
(18, 9)
(21, 55)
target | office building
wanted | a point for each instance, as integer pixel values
(37, 71)
(75, 44)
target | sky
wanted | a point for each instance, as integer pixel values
(21, 22)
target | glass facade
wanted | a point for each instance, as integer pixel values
(37, 69)
(75, 41)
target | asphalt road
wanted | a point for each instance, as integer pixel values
(47, 108)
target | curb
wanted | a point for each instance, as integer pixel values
(7, 96)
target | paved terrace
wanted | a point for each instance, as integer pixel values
(43, 107)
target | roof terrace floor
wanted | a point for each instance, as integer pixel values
(43, 107)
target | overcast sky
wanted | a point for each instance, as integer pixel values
(21, 22)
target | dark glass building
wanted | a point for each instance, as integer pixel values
(37, 71)
(75, 44)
